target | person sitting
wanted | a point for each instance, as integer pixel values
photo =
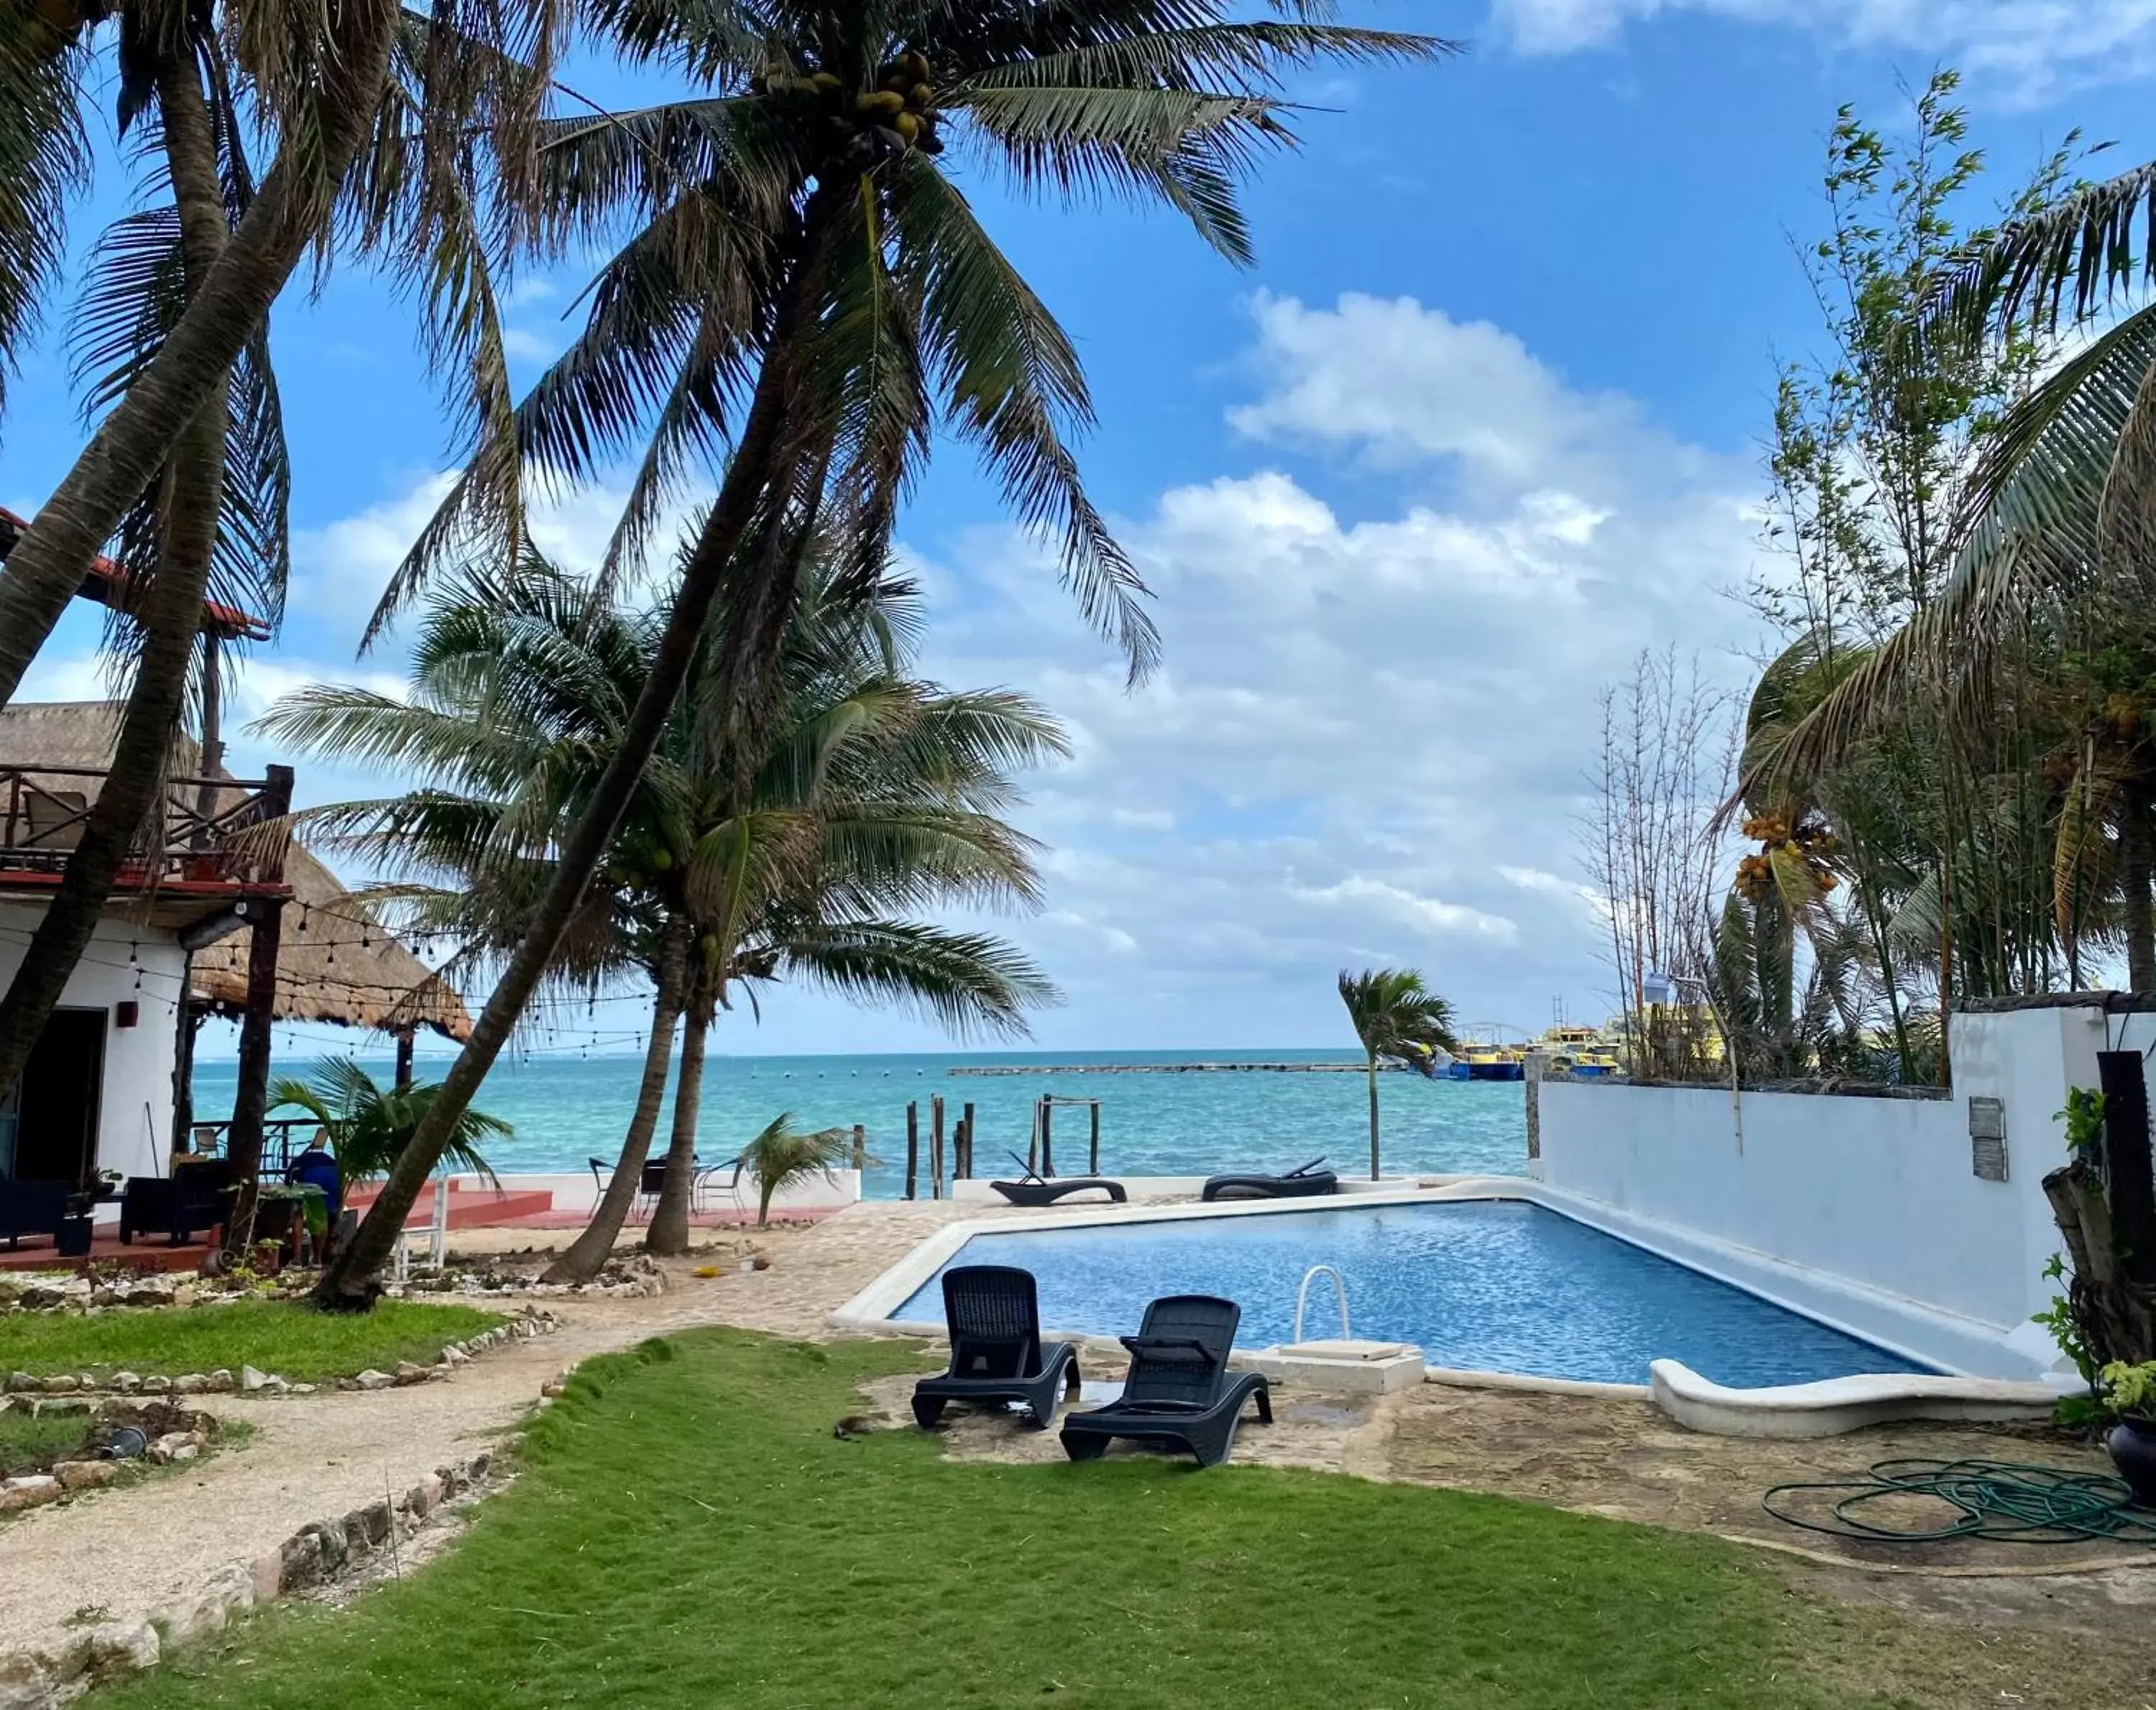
(317, 1167)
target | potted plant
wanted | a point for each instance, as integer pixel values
(72, 1237)
(2131, 1392)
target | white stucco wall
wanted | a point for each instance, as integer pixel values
(1872, 1195)
(138, 1060)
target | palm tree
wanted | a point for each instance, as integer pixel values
(1399, 1020)
(781, 1155)
(368, 1126)
(806, 287)
(879, 796)
(2037, 632)
(315, 78)
(211, 518)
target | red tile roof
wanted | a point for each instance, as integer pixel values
(107, 582)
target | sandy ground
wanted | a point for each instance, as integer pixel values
(1986, 1622)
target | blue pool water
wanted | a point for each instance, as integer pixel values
(1479, 1285)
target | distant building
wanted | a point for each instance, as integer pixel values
(106, 1087)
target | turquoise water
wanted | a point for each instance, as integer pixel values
(566, 1109)
(1480, 1286)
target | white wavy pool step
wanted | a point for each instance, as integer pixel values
(1832, 1405)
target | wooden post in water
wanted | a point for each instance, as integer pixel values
(1093, 1151)
(1048, 1135)
(966, 1166)
(860, 1147)
(913, 1150)
(1033, 1141)
(935, 1147)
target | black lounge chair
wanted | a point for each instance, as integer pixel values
(1038, 1190)
(994, 1315)
(1297, 1184)
(32, 1208)
(192, 1197)
(1179, 1391)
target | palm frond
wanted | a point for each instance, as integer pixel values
(969, 983)
(2068, 257)
(44, 158)
(1009, 373)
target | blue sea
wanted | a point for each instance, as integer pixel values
(566, 1110)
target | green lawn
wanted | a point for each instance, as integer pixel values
(24, 1442)
(275, 1336)
(689, 1533)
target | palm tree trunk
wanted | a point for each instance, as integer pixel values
(223, 309)
(590, 1250)
(351, 1282)
(1373, 1116)
(668, 1233)
(2137, 860)
(193, 496)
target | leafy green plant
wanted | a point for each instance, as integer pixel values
(782, 1154)
(368, 1128)
(2058, 1317)
(2083, 1116)
(2131, 1390)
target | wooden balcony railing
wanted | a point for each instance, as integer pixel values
(201, 830)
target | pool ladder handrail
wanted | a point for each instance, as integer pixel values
(1339, 1293)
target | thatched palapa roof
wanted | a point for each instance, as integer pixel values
(336, 961)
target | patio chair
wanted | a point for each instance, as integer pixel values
(1301, 1182)
(32, 1208)
(653, 1181)
(1038, 1190)
(994, 1315)
(55, 819)
(192, 1197)
(1179, 1391)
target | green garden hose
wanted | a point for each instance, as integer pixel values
(2004, 1501)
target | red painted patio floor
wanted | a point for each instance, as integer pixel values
(154, 1253)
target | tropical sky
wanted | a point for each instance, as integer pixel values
(1484, 423)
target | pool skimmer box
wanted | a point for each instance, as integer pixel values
(1344, 1365)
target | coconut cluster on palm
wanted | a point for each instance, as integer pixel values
(899, 113)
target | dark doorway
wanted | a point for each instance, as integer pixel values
(56, 1113)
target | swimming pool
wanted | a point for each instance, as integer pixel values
(1480, 1285)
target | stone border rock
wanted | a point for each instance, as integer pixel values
(640, 1279)
(319, 1554)
(532, 1321)
(34, 1489)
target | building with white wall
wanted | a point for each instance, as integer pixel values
(1920, 1223)
(97, 1092)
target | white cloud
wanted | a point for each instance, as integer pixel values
(69, 676)
(1370, 738)
(1401, 382)
(522, 344)
(1425, 914)
(530, 290)
(2030, 50)
(341, 570)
